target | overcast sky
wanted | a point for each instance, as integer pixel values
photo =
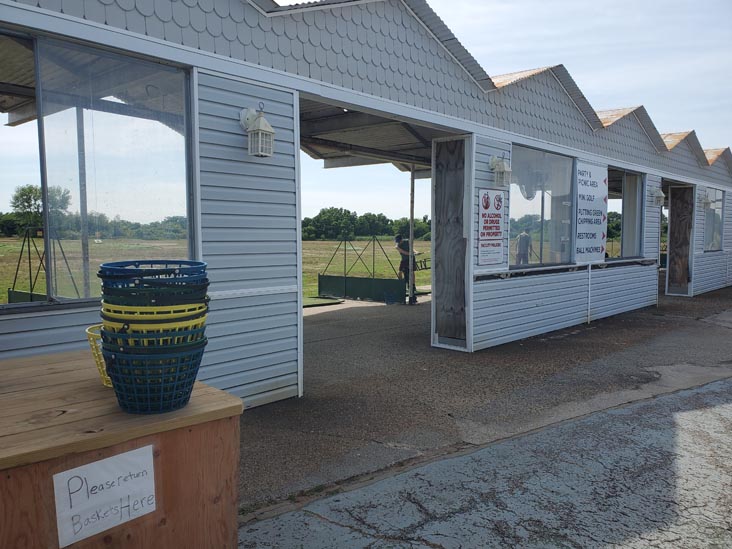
(673, 56)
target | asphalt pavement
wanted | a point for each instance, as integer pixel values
(379, 400)
(656, 473)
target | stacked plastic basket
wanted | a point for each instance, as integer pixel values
(153, 331)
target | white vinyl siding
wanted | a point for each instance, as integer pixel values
(652, 221)
(249, 240)
(485, 150)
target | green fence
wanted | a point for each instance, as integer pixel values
(385, 290)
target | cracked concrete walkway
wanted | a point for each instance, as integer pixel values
(653, 473)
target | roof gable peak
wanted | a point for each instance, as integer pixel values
(672, 140)
(639, 112)
(610, 116)
(713, 155)
(565, 80)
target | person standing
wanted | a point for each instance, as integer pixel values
(523, 248)
(405, 269)
(402, 246)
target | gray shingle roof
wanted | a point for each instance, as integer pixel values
(672, 140)
(402, 51)
(565, 80)
(611, 116)
(716, 154)
(424, 13)
(597, 120)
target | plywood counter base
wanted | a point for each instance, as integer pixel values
(55, 415)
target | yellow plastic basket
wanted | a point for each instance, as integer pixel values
(94, 336)
(152, 329)
(166, 312)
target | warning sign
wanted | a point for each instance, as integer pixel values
(491, 227)
(591, 237)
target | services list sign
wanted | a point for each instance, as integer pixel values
(104, 494)
(591, 237)
(491, 227)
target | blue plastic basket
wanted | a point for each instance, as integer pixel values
(153, 384)
(153, 283)
(167, 349)
(151, 276)
(155, 339)
(152, 296)
(153, 268)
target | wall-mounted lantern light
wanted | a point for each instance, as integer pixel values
(657, 197)
(502, 171)
(259, 131)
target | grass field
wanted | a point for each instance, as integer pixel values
(316, 256)
(106, 250)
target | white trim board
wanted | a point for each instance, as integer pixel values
(316, 7)
(195, 176)
(46, 312)
(468, 206)
(298, 204)
(232, 294)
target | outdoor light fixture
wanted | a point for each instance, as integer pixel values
(260, 132)
(502, 171)
(658, 197)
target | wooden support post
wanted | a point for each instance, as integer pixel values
(450, 244)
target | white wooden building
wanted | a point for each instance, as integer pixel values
(137, 103)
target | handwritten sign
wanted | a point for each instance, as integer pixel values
(98, 496)
(491, 213)
(591, 236)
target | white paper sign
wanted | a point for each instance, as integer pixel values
(591, 234)
(104, 494)
(491, 226)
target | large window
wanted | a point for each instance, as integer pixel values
(115, 186)
(624, 214)
(541, 208)
(713, 216)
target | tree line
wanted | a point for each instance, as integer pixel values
(27, 211)
(329, 224)
(342, 224)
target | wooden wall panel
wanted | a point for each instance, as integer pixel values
(196, 479)
(681, 222)
(450, 241)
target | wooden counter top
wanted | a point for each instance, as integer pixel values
(55, 405)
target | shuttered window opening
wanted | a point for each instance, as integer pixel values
(625, 214)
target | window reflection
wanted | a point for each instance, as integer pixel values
(541, 208)
(713, 219)
(114, 134)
